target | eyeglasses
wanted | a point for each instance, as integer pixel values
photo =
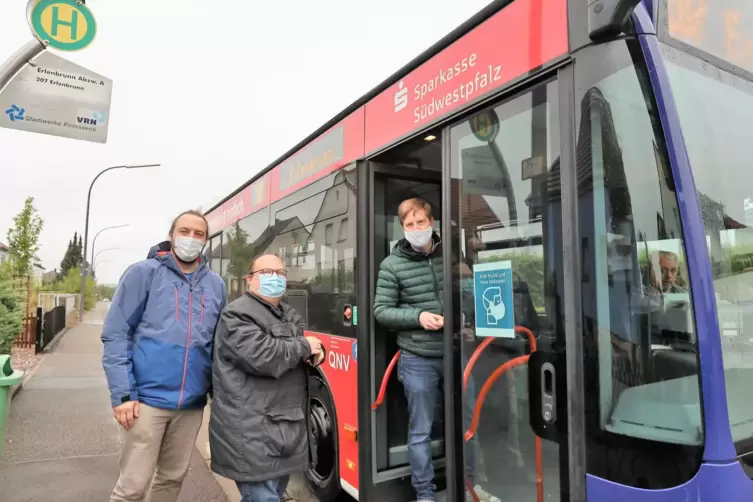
(270, 271)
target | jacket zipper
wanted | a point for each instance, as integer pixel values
(436, 285)
(201, 319)
(188, 337)
(177, 318)
(188, 343)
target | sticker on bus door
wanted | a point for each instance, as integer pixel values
(493, 291)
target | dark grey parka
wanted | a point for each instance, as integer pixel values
(259, 428)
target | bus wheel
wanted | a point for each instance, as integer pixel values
(323, 477)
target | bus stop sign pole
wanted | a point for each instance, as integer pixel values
(17, 61)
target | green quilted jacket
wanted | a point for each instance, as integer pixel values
(408, 284)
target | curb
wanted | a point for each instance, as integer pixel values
(50, 346)
(55, 341)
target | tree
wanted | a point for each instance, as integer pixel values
(105, 292)
(68, 260)
(240, 252)
(71, 283)
(23, 239)
(79, 251)
(11, 316)
(73, 255)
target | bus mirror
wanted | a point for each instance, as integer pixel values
(606, 18)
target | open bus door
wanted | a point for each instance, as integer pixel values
(383, 452)
(492, 180)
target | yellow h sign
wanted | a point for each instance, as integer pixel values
(64, 24)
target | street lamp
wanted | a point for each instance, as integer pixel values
(94, 259)
(94, 242)
(99, 263)
(84, 270)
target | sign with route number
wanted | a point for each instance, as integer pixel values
(54, 96)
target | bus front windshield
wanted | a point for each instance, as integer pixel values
(717, 123)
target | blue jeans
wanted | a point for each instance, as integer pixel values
(422, 378)
(264, 491)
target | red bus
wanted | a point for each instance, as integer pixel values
(558, 144)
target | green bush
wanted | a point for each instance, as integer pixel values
(71, 284)
(11, 315)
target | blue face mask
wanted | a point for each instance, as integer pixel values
(272, 285)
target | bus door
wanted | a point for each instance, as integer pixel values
(504, 279)
(407, 171)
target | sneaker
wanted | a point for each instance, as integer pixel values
(483, 495)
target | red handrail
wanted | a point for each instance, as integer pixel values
(385, 379)
(488, 341)
(512, 363)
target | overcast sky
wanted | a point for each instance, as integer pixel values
(214, 91)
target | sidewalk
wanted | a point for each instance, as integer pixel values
(62, 442)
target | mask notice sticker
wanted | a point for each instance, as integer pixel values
(493, 291)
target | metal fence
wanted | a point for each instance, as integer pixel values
(45, 315)
(53, 322)
(49, 301)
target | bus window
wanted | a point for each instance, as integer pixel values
(240, 243)
(714, 108)
(313, 231)
(504, 193)
(643, 409)
(214, 253)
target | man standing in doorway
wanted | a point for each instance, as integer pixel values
(409, 301)
(158, 338)
(258, 431)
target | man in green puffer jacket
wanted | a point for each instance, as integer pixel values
(409, 302)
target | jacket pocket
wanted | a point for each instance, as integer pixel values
(286, 431)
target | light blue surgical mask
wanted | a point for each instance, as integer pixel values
(272, 285)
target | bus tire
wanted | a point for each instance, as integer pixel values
(323, 478)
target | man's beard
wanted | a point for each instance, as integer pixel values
(184, 261)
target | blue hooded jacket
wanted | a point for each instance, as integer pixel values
(159, 333)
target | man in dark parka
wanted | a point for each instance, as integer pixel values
(258, 430)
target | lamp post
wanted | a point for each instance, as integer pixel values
(84, 270)
(99, 263)
(94, 241)
(94, 260)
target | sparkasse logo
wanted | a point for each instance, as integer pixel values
(401, 97)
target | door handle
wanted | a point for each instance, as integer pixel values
(547, 386)
(548, 393)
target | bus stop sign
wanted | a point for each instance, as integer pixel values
(485, 125)
(65, 25)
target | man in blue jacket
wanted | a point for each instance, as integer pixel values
(158, 338)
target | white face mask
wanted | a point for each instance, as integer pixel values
(419, 239)
(188, 248)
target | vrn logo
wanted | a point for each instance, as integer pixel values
(401, 97)
(96, 118)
